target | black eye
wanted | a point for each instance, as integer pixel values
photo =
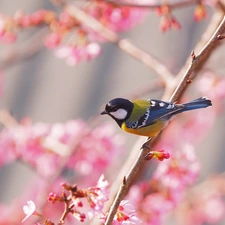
(114, 108)
(111, 108)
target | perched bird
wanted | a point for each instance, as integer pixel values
(148, 117)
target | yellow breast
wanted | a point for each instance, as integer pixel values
(149, 131)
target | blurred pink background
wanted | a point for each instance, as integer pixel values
(45, 89)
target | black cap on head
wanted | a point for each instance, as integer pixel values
(116, 104)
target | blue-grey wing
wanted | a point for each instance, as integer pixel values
(157, 110)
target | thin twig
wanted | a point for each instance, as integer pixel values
(199, 59)
(220, 5)
(147, 59)
(124, 44)
(67, 208)
(25, 51)
(187, 69)
(7, 120)
(141, 158)
(175, 5)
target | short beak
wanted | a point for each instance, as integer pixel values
(103, 113)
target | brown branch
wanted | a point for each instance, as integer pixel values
(214, 23)
(123, 44)
(141, 157)
(60, 3)
(28, 49)
(7, 120)
(220, 5)
(124, 187)
(202, 56)
(147, 59)
(67, 210)
(152, 6)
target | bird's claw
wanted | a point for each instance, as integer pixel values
(145, 145)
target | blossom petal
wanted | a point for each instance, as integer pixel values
(29, 209)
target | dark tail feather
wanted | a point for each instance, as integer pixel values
(199, 103)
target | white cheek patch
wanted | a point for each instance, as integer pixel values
(120, 114)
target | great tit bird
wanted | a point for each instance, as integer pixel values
(148, 117)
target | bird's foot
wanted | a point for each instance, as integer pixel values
(146, 144)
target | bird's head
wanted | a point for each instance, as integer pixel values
(119, 109)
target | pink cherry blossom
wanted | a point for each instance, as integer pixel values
(154, 207)
(90, 200)
(170, 180)
(42, 145)
(126, 214)
(213, 86)
(168, 22)
(160, 155)
(7, 34)
(180, 170)
(214, 216)
(206, 201)
(53, 40)
(78, 215)
(1, 81)
(117, 18)
(75, 54)
(200, 12)
(97, 196)
(29, 209)
(2, 25)
(77, 202)
(98, 149)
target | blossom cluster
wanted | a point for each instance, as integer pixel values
(72, 40)
(74, 198)
(54, 150)
(212, 85)
(44, 146)
(126, 214)
(203, 198)
(76, 42)
(165, 190)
